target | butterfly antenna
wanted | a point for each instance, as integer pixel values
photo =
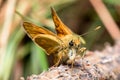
(95, 29)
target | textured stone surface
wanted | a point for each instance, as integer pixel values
(96, 65)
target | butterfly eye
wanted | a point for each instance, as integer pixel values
(71, 43)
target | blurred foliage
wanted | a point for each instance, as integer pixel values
(79, 15)
(114, 2)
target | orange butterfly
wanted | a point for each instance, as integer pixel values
(64, 46)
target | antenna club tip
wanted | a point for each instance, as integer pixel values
(97, 28)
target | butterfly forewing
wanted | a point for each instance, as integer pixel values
(32, 30)
(60, 27)
(42, 37)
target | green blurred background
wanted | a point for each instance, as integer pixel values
(19, 56)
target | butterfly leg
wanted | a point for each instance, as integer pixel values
(82, 51)
(82, 54)
(72, 63)
(59, 58)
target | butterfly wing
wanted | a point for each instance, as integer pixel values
(32, 30)
(42, 37)
(61, 28)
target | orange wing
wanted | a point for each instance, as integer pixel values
(42, 37)
(61, 28)
(32, 30)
